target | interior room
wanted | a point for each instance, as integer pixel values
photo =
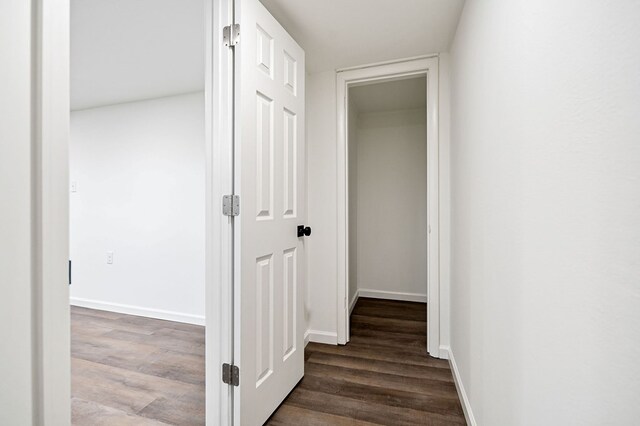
(137, 203)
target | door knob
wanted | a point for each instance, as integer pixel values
(302, 231)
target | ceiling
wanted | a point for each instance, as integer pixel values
(390, 96)
(125, 50)
(343, 33)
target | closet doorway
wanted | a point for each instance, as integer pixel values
(387, 151)
(388, 225)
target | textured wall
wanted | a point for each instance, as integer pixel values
(545, 168)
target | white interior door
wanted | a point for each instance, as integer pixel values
(270, 163)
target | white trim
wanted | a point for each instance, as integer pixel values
(444, 352)
(50, 103)
(377, 73)
(50, 30)
(392, 61)
(352, 304)
(462, 393)
(218, 239)
(138, 310)
(306, 338)
(392, 295)
(325, 337)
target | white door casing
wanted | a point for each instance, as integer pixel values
(367, 74)
(269, 178)
(50, 57)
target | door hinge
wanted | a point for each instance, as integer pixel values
(230, 374)
(231, 35)
(231, 205)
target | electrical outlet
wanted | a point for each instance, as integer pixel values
(74, 186)
(109, 257)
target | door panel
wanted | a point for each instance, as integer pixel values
(269, 161)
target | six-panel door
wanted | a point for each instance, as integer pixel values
(269, 171)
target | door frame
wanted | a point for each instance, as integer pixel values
(51, 83)
(387, 71)
(218, 228)
(50, 29)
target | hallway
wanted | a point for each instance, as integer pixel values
(382, 376)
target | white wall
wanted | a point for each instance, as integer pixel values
(392, 204)
(545, 168)
(16, 323)
(321, 201)
(352, 126)
(139, 169)
(444, 128)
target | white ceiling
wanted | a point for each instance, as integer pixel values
(342, 33)
(125, 50)
(390, 96)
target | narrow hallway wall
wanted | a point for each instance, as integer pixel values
(545, 171)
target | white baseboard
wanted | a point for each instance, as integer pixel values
(444, 352)
(466, 406)
(306, 338)
(325, 337)
(392, 295)
(137, 310)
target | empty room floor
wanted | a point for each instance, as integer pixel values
(129, 370)
(382, 376)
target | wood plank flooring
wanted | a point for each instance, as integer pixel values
(129, 370)
(382, 376)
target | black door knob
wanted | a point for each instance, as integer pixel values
(302, 231)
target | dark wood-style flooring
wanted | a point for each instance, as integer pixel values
(383, 376)
(129, 370)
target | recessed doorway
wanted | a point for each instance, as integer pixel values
(387, 150)
(388, 201)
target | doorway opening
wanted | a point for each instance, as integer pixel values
(137, 212)
(387, 125)
(408, 264)
(387, 201)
